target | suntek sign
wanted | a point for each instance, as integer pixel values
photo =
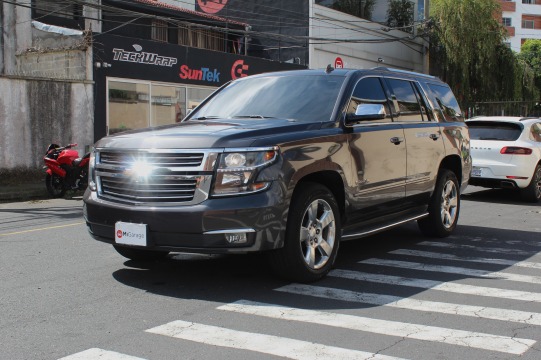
(203, 74)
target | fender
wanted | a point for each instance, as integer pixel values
(54, 168)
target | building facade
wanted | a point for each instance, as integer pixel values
(522, 19)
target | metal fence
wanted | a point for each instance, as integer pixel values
(502, 108)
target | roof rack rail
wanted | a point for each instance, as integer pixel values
(528, 118)
(403, 71)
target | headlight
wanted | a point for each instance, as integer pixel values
(92, 171)
(237, 171)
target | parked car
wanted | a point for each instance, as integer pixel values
(506, 153)
(290, 163)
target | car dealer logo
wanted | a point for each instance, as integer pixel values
(239, 69)
(119, 234)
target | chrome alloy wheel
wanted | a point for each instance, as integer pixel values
(449, 204)
(317, 234)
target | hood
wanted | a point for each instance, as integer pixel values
(205, 134)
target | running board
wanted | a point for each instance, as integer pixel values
(383, 228)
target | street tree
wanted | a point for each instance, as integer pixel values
(400, 14)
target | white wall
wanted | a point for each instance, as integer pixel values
(516, 22)
(328, 23)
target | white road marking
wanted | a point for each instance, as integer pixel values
(434, 255)
(442, 286)
(99, 354)
(492, 250)
(496, 275)
(267, 344)
(392, 328)
(480, 312)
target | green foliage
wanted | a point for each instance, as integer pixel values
(530, 54)
(468, 52)
(400, 14)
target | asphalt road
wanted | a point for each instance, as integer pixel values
(474, 295)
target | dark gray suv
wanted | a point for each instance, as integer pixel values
(290, 163)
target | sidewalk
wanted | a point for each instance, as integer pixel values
(23, 192)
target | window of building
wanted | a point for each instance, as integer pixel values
(369, 91)
(528, 1)
(408, 104)
(201, 38)
(133, 104)
(506, 21)
(528, 24)
(159, 30)
(67, 14)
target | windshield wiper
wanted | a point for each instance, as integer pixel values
(205, 117)
(253, 117)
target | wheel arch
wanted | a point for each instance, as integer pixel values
(330, 179)
(454, 164)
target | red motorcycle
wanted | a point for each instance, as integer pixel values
(65, 169)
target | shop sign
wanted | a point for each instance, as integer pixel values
(140, 56)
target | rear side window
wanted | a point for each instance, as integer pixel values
(535, 134)
(447, 102)
(484, 130)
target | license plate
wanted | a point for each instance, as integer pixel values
(476, 171)
(130, 234)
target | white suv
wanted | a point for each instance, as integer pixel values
(506, 153)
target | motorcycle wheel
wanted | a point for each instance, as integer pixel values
(55, 185)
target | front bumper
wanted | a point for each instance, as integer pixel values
(197, 228)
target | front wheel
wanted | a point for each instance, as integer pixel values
(55, 185)
(443, 208)
(140, 254)
(532, 193)
(312, 235)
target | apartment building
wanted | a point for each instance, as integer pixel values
(522, 19)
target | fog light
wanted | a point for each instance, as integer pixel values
(236, 238)
(92, 186)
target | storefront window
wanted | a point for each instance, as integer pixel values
(196, 96)
(136, 104)
(168, 104)
(128, 106)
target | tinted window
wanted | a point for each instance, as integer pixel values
(484, 130)
(369, 91)
(297, 97)
(408, 104)
(447, 102)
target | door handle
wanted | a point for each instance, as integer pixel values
(396, 140)
(434, 136)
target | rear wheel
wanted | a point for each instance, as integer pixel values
(140, 254)
(55, 185)
(532, 193)
(444, 207)
(312, 235)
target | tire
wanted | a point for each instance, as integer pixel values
(444, 207)
(310, 245)
(532, 193)
(140, 254)
(55, 185)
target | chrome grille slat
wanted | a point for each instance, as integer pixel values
(178, 177)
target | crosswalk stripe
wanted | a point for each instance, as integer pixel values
(410, 265)
(95, 353)
(267, 344)
(435, 255)
(493, 250)
(441, 286)
(385, 327)
(481, 312)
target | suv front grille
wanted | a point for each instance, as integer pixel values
(154, 177)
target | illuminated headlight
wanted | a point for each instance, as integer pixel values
(237, 172)
(92, 171)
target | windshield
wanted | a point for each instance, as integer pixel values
(309, 98)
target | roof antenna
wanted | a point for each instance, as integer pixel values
(329, 69)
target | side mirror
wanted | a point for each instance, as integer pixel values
(367, 112)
